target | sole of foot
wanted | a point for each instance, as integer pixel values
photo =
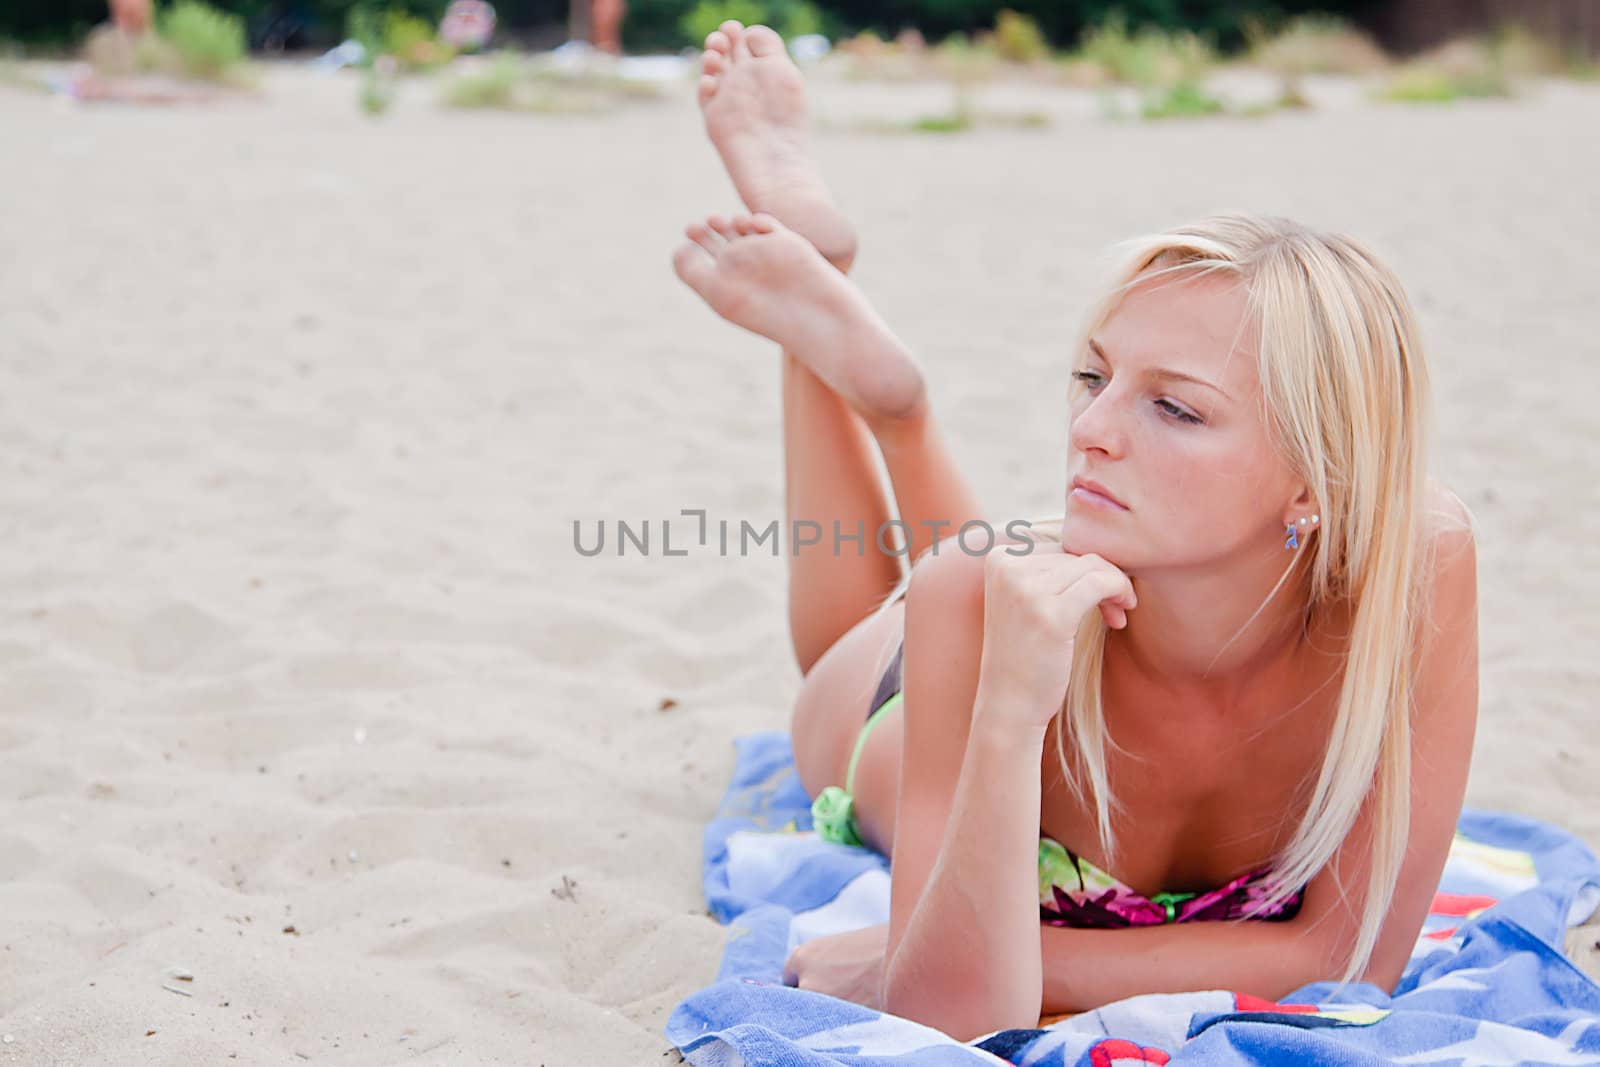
(753, 98)
(759, 274)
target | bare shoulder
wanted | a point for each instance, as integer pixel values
(1449, 524)
(1449, 621)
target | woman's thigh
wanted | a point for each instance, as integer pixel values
(831, 710)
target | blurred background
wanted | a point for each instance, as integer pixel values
(1441, 48)
(325, 323)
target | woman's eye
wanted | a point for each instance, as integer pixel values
(1176, 412)
(1088, 377)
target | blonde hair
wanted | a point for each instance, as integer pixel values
(1346, 399)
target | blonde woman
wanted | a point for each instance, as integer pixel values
(1209, 729)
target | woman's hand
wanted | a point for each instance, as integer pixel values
(848, 966)
(1032, 607)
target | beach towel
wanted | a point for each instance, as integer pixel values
(1487, 982)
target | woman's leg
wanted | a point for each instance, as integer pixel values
(754, 101)
(831, 477)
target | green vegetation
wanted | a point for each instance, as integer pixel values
(410, 39)
(1148, 58)
(1311, 44)
(209, 43)
(955, 122)
(1018, 39)
(509, 82)
(1181, 100)
(791, 18)
(1466, 68)
(1168, 69)
(493, 87)
(1315, 44)
(189, 40)
(698, 22)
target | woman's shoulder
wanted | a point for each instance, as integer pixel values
(1449, 531)
(1448, 618)
(1444, 512)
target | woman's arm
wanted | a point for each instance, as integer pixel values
(969, 960)
(1085, 969)
(948, 958)
(963, 952)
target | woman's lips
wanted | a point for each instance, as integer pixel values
(1094, 499)
(1096, 495)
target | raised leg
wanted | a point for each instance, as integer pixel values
(848, 385)
(754, 101)
(831, 477)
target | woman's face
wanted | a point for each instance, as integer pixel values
(1169, 424)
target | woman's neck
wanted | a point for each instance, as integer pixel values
(1209, 633)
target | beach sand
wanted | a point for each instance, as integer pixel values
(307, 693)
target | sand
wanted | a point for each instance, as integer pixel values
(306, 692)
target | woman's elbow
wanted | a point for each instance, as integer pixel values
(962, 1003)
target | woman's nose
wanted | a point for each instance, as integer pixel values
(1100, 426)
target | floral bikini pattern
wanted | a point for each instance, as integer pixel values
(1074, 892)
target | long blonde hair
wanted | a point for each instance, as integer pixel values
(1345, 396)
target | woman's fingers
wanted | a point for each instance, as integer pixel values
(1096, 587)
(1065, 587)
(1063, 572)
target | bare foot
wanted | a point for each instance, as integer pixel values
(754, 101)
(757, 273)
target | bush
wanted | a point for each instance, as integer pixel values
(698, 23)
(406, 37)
(1457, 69)
(1149, 58)
(1316, 44)
(409, 38)
(1018, 38)
(965, 62)
(208, 42)
(798, 18)
(791, 18)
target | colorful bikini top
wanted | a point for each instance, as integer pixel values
(1074, 892)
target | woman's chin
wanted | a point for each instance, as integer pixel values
(1081, 542)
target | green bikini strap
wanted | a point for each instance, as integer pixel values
(861, 742)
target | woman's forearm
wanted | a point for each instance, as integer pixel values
(1085, 969)
(968, 962)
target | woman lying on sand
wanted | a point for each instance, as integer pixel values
(1240, 672)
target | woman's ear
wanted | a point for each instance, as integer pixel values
(1301, 504)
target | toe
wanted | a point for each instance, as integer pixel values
(708, 239)
(763, 223)
(762, 41)
(713, 62)
(731, 30)
(707, 88)
(744, 225)
(695, 266)
(722, 225)
(717, 41)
